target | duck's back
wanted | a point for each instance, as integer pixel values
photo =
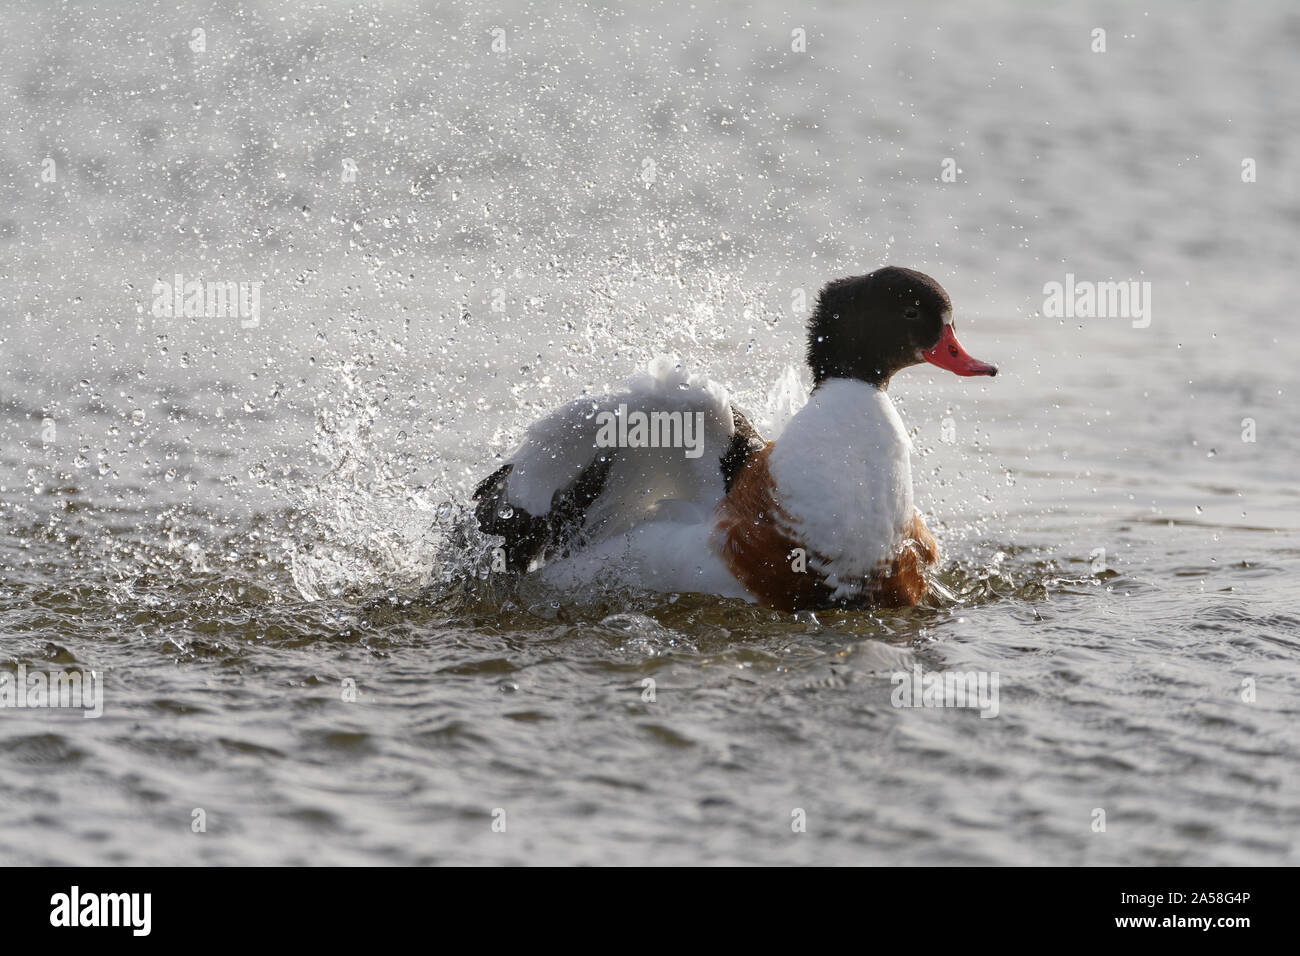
(658, 452)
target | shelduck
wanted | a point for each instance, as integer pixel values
(667, 486)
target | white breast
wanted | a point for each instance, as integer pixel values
(844, 477)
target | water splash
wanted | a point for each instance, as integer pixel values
(366, 526)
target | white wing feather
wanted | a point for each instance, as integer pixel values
(643, 483)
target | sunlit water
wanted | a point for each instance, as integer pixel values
(231, 522)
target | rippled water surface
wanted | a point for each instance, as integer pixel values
(234, 523)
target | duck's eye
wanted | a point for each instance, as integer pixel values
(910, 313)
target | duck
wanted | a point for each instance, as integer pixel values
(666, 485)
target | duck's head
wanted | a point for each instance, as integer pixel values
(868, 327)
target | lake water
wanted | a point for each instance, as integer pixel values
(461, 216)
